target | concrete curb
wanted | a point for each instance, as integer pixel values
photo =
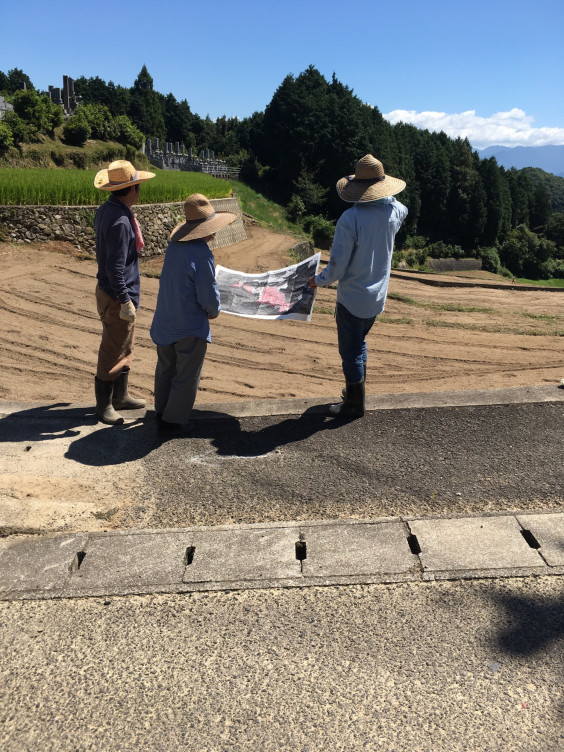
(262, 408)
(282, 554)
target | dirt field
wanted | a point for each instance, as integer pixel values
(428, 339)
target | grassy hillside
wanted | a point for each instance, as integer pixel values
(55, 153)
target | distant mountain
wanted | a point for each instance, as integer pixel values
(548, 158)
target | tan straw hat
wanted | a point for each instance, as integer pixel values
(201, 219)
(120, 174)
(368, 182)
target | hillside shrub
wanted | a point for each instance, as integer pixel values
(6, 139)
(525, 254)
(321, 230)
(295, 209)
(38, 112)
(99, 119)
(411, 259)
(76, 131)
(22, 132)
(416, 242)
(124, 132)
(490, 259)
(397, 258)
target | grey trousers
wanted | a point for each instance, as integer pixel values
(177, 376)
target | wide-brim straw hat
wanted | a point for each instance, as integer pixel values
(120, 174)
(201, 219)
(369, 182)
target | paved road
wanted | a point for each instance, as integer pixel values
(468, 665)
(431, 461)
(456, 666)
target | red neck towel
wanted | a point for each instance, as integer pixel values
(137, 230)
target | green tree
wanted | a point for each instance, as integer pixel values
(525, 254)
(17, 80)
(76, 130)
(120, 99)
(466, 209)
(539, 208)
(495, 207)
(93, 91)
(124, 132)
(178, 120)
(6, 138)
(99, 119)
(38, 112)
(312, 195)
(145, 108)
(555, 232)
(520, 189)
(432, 172)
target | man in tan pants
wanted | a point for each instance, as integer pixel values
(118, 242)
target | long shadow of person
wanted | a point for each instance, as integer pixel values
(114, 445)
(45, 422)
(232, 441)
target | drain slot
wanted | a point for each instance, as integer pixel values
(301, 550)
(78, 559)
(413, 544)
(189, 555)
(530, 538)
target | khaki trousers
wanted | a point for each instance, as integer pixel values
(116, 348)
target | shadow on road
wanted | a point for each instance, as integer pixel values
(533, 623)
(237, 443)
(114, 445)
(45, 422)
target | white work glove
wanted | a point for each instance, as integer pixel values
(127, 311)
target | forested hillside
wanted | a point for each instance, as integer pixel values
(311, 133)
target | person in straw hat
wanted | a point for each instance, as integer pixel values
(118, 242)
(360, 262)
(188, 298)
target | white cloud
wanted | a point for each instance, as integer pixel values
(513, 128)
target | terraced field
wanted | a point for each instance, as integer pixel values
(428, 339)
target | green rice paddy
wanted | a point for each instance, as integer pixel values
(25, 187)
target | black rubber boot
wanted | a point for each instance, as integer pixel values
(121, 399)
(353, 404)
(344, 392)
(104, 408)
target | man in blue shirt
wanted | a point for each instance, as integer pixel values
(118, 242)
(188, 298)
(360, 261)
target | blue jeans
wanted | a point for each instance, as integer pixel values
(351, 332)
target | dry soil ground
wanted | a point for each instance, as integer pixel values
(429, 338)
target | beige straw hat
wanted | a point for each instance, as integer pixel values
(201, 219)
(120, 174)
(368, 182)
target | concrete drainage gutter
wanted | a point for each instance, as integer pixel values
(273, 555)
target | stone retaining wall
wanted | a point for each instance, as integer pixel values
(75, 224)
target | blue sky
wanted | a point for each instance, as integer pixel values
(489, 70)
